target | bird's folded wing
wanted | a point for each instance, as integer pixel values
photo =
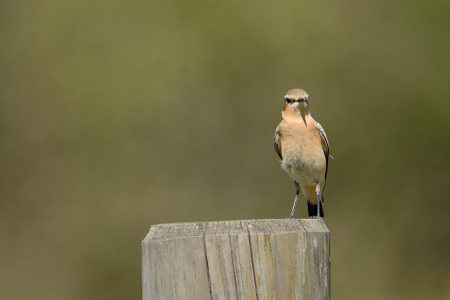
(323, 137)
(325, 145)
(276, 143)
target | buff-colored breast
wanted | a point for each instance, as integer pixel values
(303, 157)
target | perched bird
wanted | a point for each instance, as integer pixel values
(302, 145)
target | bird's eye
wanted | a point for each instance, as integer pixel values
(288, 100)
(301, 99)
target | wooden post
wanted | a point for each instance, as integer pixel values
(254, 259)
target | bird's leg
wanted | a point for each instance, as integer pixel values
(297, 190)
(319, 200)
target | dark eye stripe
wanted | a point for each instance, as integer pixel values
(289, 101)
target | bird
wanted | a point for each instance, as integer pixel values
(302, 146)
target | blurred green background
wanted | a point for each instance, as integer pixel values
(117, 115)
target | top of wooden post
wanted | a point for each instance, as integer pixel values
(267, 226)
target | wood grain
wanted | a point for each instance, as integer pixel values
(249, 259)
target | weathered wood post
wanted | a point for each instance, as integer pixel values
(254, 259)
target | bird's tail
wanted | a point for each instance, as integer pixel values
(312, 209)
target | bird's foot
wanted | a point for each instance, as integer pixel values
(290, 218)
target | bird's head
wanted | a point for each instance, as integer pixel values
(296, 102)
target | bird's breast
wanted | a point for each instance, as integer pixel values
(303, 157)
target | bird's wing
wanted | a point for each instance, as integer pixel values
(323, 137)
(276, 143)
(325, 145)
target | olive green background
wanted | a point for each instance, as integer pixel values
(116, 115)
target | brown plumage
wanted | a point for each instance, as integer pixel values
(302, 145)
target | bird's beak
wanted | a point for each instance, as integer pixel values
(302, 113)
